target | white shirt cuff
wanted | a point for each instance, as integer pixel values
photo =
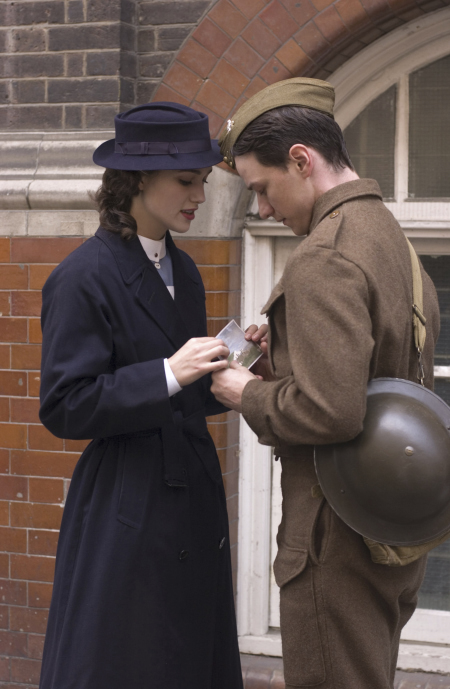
(172, 383)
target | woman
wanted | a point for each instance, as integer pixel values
(143, 594)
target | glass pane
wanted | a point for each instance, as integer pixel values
(429, 131)
(435, 591)
(370, 140)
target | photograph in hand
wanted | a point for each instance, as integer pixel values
(242, 351)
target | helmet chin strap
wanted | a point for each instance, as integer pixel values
(419, 320)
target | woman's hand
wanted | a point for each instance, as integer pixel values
(195, 359)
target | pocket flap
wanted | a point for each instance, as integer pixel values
(289, 563)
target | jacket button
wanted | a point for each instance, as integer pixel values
(183, 555)
(222, 543)
(334, 214)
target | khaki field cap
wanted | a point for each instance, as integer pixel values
(308, 93)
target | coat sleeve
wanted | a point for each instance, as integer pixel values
(83, 394)
(329, 340)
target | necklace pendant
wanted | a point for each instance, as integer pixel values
(157, 265)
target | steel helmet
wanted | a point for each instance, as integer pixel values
(392, 482)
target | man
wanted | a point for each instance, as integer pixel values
(339, 317)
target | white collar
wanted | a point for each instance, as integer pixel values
(155, 250)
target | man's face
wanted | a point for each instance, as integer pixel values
(286, 195)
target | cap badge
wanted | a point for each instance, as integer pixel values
(230, 124)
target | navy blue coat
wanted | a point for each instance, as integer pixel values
(143, 592)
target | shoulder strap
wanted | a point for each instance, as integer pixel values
(419, 320)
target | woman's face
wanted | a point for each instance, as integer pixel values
(168, 199)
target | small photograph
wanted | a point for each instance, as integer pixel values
(243, 352)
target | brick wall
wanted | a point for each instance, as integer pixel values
(36, 467)
(73, 64)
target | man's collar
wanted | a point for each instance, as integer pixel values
(336, 196)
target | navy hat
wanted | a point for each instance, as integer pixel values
(159, 136)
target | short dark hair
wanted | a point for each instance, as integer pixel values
(113, 199)
(271, 135)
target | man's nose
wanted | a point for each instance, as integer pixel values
(265, 209)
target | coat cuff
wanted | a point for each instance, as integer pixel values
(253, 411)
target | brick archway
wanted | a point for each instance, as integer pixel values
(241, 46)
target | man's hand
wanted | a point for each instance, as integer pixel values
(228, 385)
(259, 335)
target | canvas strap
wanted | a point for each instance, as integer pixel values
(419, 320)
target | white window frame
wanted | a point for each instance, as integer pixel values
(426, 639)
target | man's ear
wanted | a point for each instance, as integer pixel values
(301, 156)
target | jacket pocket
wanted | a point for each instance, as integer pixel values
(300, 633)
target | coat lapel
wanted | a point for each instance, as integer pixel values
(150, 291)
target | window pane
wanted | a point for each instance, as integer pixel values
(435, 591)
(429, 131)
(370, 140)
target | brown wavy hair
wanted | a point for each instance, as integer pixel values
(113, 199)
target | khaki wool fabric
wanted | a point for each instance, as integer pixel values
(340, 316)
(308, 93)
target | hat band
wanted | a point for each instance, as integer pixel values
(155, 148)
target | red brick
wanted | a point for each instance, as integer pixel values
(42, 542)
(219, 252)
(4, 409)
(225, 304)
(25, 670)
(39, 595)
(5, 356)
(256, 85)
(13, 277)
(301, 10)
(34, 383)
(233, 508)
(4, 513)
(34, 330)
(376, 8)
(261, 38)
(75, 445)
(4, 461)
(4, 619)
(279, 20)
(229, 78)
(229, 458)
(4, 250)
(13, 435)
(215, 325)
(48, 490)
(352, 13)
(244, 58)
(211, 37)
(4, 565)
(221, 278)
(215, 98)
(35, 515)
(183, 80)
(13, 540)
(58, 464)
(225, 15)
(32, 568)
(26, 303)
(25, 356)
(224, 434)
(13, 488)
(165, 93)
(231, 483)
(13, 383)
(197, 58)
(25, 410)
(250, 7)
(39, 275)
(39, 438)
(311, 40)
(13, 329)
(13, 592)
(35, 645)
(42, 250)
(321, 4)
(293, 57)
(13, 644)
(274, 71)
(5, 304)
(214, 120)
(331, 25)
(29, 620)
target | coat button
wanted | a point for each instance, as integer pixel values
(183, 555)
(334, 214)
(222, 543)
